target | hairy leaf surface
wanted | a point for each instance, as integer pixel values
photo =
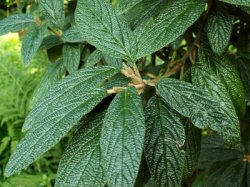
(59, 110)
(105, 29)
(53, 11)
(165, 135)
(71, 57)
(219, 30)
(125, 5)
(72, 35)
(165, 28)
(81, 162)
(203, 109)
(229, 76)
(15, 23)
(122, 138)
(203, 77)
(192, 149)
(31, 43)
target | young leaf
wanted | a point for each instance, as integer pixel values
(15, 23)
(53, 11)
(203, 110)
(72, 35)
(166, 27)
(93, 58)
(165, 135)
(59, 110)
(192, 149)
(105, 29)
(71, 57)
(31, 43)
(237, 2)
(81, 162)
(203, 77)
(219, 30)
(122, 138)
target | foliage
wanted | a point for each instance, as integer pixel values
(140, 83)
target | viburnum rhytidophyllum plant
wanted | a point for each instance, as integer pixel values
(136, 81)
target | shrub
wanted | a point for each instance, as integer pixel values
(140, 83)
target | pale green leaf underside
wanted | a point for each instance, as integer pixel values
(206, 80)
(58, 111)
(165, 135)
(16, 22)
(237, 2)
(71, 57)
(203, 109)
(105, 29)
(165, 28)
(31, 43)
(81, 162)
(122, 138)
(219, 30)
(53, 10)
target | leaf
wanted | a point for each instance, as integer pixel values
(53, 11)
(125, 5)
(245, 9)
(50, 41)
(229, 175)
(229, 76)
(203, 77)
(53, 73)
(145, 10)
(71, 57)
(169, 25)
(214, 150)
(31, 43)
(122, 138)
(203, 110)
(81, 162)
(16, 22)
(93, 58)
(165, 135)
(115, 62)
(245, 77)
(237, 2)
(219, 30)
(118, 80)
(72, 35)
(59, 110)
(192, 149)
(104, 29)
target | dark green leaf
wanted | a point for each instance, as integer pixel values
(219, 30)
(192, 149)
(165, 135)
(53, 11)
(228, 75)
(81, 162)
(59, 110)
(213, 150)
(125, 5)
(93, 58)
(31, 43)
(228, 175)
(122, 138)
(105, 29)
(237, 2)
(118, 80)
(50, 41)
(53, 73)
(245, 77)
(115, 62)
(204, 78)
(15, 23)
(203, 110)
(166, 27)
(145, 10)
(71, 57)
(245, 9)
